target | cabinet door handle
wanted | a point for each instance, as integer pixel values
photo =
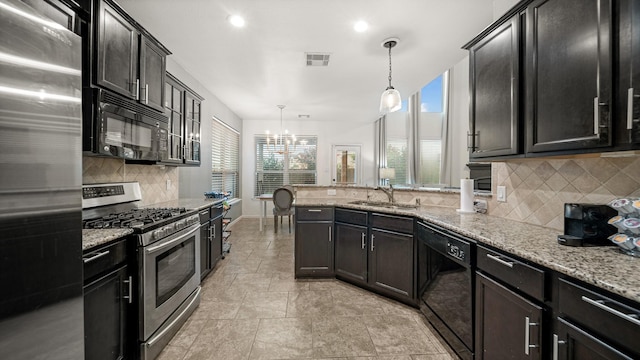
(363, 244)
(373, 237)
(146, 93)
(314, 210)
(137, 89)
(630, 109)
(527, 335)
(601, 304)
(500, 261)
(95, 257)
(330, 234)
(556, 343)
(596, 115)
(129, 295)
(213, 231)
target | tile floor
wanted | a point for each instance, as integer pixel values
(253, 308)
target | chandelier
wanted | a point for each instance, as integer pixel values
(282, 141)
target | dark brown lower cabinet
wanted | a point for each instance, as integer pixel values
(106, 311)
(314, 249)
(574, 343)
(391, 263)
(351, 252)
(508, 326)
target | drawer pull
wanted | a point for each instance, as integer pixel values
(96, 256)
(601, 304)
(500, 261)
(372, 238)
(330, 233)
(363, 244)
(314, 210)
(527, 335)
(556, 342)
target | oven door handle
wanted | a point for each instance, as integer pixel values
(153, 249)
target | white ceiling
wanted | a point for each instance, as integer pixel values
(252, 69)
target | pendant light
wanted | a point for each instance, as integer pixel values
(282, 141)
(390, 100)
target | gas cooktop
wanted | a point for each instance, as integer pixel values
(134, 218)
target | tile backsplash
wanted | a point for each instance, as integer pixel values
(152, 178)
(538, 189)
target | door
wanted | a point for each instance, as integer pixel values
(346, 164)
(391, 262)
(495, 74)
(314, 249)
(351, 252)
(574, 343)
(568, 75)
(152, 74)
(507, 325)
(628, 119)
(117, 53)
(105, 316)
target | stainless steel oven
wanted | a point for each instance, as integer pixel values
(446, 285)
(169, 268)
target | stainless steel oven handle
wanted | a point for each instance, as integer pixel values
(500, 261)
(153, 249)
(96, 256)
(155, 339)
(600, 304)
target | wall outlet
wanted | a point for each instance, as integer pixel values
(501, 193)
(331, 192)
(168, 184)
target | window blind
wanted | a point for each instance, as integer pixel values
(280, 164)
(225, 155)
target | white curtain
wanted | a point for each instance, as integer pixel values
(447, 142)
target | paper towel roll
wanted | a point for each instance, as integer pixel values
(466, 196)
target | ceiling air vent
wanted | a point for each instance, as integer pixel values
(317, 59)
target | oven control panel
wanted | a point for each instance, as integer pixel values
(90, 192)
(175, 226)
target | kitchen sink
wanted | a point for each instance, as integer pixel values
(384, 204)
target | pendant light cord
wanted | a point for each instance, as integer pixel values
(390, 67)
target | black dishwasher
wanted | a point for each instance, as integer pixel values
(446, 285)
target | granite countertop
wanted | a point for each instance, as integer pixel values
(96, 237)
(604, 267)
(189, 203)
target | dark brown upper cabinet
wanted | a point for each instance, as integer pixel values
(182, 107)
(128, 60)
(568, 75)
(627, 133)
(495, 96)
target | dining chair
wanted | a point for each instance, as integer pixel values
(282, 206)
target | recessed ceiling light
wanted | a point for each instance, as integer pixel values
(360, 26)
(236, 20)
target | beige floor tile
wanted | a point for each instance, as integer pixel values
(188, 333)
(224, 339)
(310, 304)
(393, 335)
(341, 336)
(286, 282)
(288, 338)
(171, 352)
(262, 305)
(211, 309)
(434, 357)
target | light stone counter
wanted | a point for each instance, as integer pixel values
(604, 267)
(96, 237)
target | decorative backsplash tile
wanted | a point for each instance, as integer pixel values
(538, 189)
(152, 178)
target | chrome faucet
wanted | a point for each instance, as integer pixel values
(388, 192)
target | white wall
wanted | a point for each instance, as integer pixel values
(328, 133)
(500, 7)
(195, 181)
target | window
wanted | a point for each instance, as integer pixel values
(397, 159)
(225, 150)
(431, 119)
(282, 164)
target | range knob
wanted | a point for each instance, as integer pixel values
(157, 234)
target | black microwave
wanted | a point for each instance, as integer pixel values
(117, 127)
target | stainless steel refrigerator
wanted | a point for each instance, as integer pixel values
(41, 307)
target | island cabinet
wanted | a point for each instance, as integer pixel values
(568, 75)
(314, 243)
(495, 92)
(511, 317)
(127, 59)
(109, 318)
(592, 324)
(376, 251)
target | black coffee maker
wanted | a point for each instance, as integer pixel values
(587, 225)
